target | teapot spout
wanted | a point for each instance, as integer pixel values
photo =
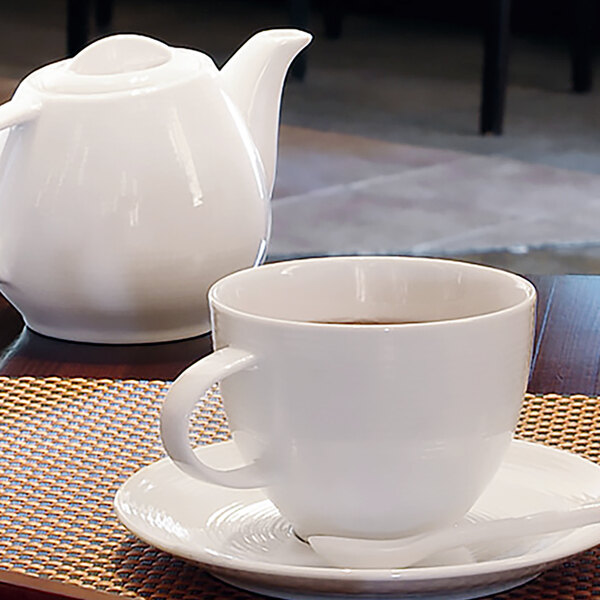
(253, 79)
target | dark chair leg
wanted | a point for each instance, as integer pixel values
(299, 12)
(495, 66)
(103, 16)
(333, 15)
(581, 44)
(78, 19)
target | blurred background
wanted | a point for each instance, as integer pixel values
(380, 145)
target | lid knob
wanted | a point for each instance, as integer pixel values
(120, 54)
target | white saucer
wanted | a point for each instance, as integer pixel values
(239, 537)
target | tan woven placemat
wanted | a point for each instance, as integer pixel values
(66, 446)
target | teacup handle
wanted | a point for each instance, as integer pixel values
(181, 399)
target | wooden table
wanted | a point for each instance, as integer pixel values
(566, 354)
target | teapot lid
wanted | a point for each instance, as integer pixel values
(119, 63)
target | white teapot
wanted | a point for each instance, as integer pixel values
(132, 177)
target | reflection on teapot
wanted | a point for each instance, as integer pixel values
(132, 177)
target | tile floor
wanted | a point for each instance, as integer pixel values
(426, 200)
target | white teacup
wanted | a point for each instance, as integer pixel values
(363, 430)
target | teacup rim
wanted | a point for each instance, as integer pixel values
(528, 287)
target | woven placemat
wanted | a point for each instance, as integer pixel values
(67, 445)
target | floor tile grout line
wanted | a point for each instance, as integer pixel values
(431, 245)
(361, 183)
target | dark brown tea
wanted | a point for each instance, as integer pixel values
(351, 321)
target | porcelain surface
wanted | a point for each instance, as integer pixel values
(239, 537)
(134, 176)
(333, 417)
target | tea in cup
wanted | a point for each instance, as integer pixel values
(371, 397)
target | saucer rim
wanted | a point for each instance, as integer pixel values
(572, 543)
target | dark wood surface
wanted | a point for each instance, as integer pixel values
(566, 354)
(566, 357)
